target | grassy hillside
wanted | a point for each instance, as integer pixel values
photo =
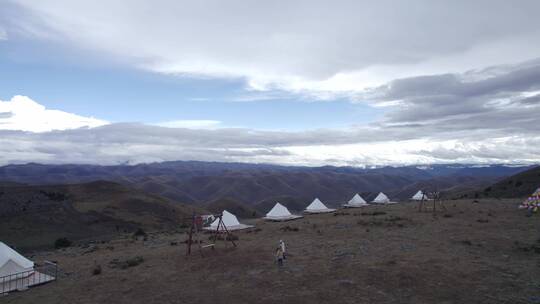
(35, 216)
(520, 186)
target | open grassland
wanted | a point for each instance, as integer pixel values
(483, 252)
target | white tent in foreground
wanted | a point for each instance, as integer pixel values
(17, 272)
(230, 221)
(318, 207)
(419, 196)
(11, 262)
(356, 202)
(280, 213)
(382, 199)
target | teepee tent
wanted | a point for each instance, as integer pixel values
(532, 203)
(280, 213)
(11, 262)
(355, 202)
(419, 196)
(230, 221)
(318, 207)
(382, 199)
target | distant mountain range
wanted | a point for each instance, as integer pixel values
(259, 185)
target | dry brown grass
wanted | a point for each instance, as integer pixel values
(331, 259)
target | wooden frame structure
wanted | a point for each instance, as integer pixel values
(437, 201)
(196, 228)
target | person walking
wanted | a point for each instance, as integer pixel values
(282, 246)
(279, 256)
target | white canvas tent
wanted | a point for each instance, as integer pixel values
(11, 262)
(382, 199)
(18, 272)
(419, 196)
(318, 207)
(280, 213)
(356, 202)
(230, 221)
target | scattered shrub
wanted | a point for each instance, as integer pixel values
(535, 248)
(131, 262)
(447, 215)
(374, 213)
(289, 228)
(96, 270)
(134, 261)
(482, 221)
(62, 243)
(139, 232)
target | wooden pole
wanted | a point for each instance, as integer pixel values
(190, 239)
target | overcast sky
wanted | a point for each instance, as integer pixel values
(290, 82)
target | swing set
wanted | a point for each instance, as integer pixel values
(195, 230)
(436, 199)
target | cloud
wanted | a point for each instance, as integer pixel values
(485, 116)
(137, 143)
(22, 113)
(314, 47)
(190, 124)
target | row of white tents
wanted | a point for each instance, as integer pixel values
(281, 213)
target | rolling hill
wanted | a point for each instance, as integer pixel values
(520, 185)
(35, 216)
(200, 183)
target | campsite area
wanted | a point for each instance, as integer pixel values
(481, 251)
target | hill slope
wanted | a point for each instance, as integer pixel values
(34, 216)
(520, 186)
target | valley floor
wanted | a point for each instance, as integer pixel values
(486, 252)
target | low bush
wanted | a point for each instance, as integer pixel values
(96, 270)
(374, 213)
(139, 232)
(289, 228)
(62, 243)
(124, 264)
